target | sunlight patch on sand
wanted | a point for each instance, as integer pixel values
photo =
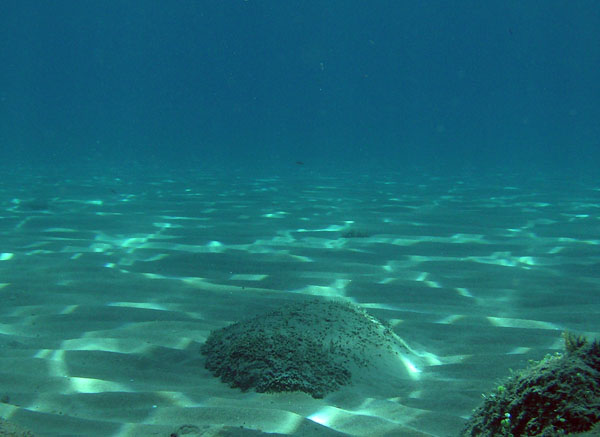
(521, 323)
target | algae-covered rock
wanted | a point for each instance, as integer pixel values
(554, 397)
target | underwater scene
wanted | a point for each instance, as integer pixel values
(304, 218)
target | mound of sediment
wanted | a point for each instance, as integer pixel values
(314, 347)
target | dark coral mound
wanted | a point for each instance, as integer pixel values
(8, 429)
(355, 233)
(556, 396)
(311, 347)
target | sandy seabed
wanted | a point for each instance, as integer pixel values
(110, 286)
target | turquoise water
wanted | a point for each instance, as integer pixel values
(170, 169)
(251, 84)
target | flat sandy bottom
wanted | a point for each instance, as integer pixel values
(109, 287)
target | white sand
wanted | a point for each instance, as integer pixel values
(106, 298)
